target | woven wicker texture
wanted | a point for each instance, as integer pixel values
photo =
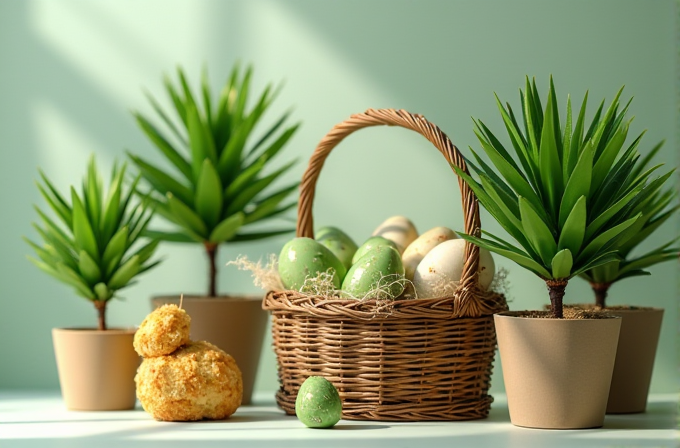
(408, 360)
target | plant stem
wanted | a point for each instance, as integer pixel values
(556, 291)
(600, 290)
(211, 250)
(100, 305)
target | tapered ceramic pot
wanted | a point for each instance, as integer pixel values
(557, 372)
(96, 368)
(640, 329)
(235, 324)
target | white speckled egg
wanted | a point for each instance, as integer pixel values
(416, 251)
(444, 265)
(398, 229)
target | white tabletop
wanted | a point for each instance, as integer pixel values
(39, 419)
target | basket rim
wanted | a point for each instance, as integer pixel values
(487, 304)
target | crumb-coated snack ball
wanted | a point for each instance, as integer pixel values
(162, 332)
(198, 381)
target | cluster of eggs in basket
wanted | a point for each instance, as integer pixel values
(393, 260)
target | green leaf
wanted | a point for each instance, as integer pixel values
(166, 119)
(574, 149)
(124, 274)
(265, 211)
(537, 232)
(115, 250)
(89, 268)
(226, 229)
(147, 251)
(515, 255)
(92, 194)
(606, 159)
(578, 184)
(56, 201)
(162, 182)
(278, 144)
(517, 139)
(514, 177)
(243, 180)
(176, 100)
(240, 237)
(82, 230)
(205, 90)
(112, 211)
(103, 292)
(255, 188)
(609, 214)
(604, 238)
(648, 158)
(201, 143)
(549, 159)
(242, 97)
(164, 146)
(72, 278)
(187, 217)
(599, 260)
(209, 194)
(266, 206)
(173, 237)
(275, 127)
(562, 263)
(61, 250)
(574, 229)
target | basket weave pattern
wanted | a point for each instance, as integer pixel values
(408, 360)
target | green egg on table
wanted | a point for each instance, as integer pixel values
(337, 242)
(303, 258)
(318, 403)
(378, 274)
(370, 244)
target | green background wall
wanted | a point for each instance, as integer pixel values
(71, 71)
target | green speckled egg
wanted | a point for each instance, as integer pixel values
(337, 242)
(318, 403)
(369, 244)
(301, 258)
(380, 268)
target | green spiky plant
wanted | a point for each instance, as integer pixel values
(217, 186)
(656, 210)
(568, 196)
(92, 246)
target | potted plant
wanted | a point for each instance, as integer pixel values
(557, 370)
(219, 186)
(94, 247)
(640, 326)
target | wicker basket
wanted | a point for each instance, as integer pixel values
(405, 360)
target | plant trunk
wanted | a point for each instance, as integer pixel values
(600, 290)
(556, 291)
(211, 250)
(100, 305)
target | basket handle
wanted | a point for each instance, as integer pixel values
(415, 122)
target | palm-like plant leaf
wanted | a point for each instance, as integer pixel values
(222, 177)
(548, 194)
(91, 249)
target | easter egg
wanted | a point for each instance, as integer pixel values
(378, 274)
(416, 251)
(398, 229)
(443, 265)
(370, 244)
(337, 242)
(318, 403)
(303, 258)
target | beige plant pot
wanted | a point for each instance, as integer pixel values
(234, 324)
(640, 329)
(96, 368)
(557, 372)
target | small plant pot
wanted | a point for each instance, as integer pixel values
(234, 324)
(640, 329)
(96, 368)
(557, 372)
